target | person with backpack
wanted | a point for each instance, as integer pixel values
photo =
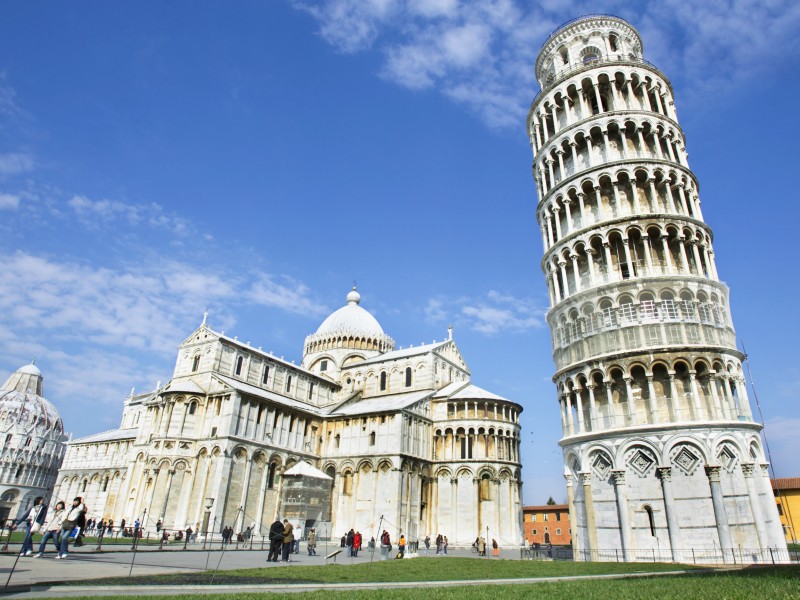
(70, 526)
(386, 545)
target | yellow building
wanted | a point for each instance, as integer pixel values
(787, 496)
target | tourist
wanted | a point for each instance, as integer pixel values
(275, 536)
(288, 538)
(356, 543)
(481, 546)
(33, 519)
(439, 543)
(349, 542)
(427, 544)
(495, 547)
(312, 542)
(401, 546)
(52, 528)
(386, 545)
(189, 533)
(444, 544)
(70, 526)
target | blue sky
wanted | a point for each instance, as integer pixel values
(258, 157)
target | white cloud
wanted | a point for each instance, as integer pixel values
(148, 308)
(9, 202)
(101, 212)
(14, 163)
(490, 314)
(481, 53)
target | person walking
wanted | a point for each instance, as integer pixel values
(351, 535)
(312, 542)
(401, 546)
(495, 547)
(70, 526)
(288, 539)
(357, 543)
(275, 536)
(439, 543)
(52, 529)
(444, 544)
(427, 545)
(386, 545)
(481, 546)
(33, 519)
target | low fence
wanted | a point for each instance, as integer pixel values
(700, 556)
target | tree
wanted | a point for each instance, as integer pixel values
(550, 501)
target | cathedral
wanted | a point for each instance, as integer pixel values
(360, 435)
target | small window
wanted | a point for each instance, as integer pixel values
(8, 438)
(239, 363)
(192, 407)
(323, 365)
(27, 442)
(105, 484)
(780, 509)
(534, 532)
(265, 377)
(338, 440)
(372, 439)
(271, 475)
(383, 381)
(650, 519)
(85, 483)
(408, 376)
(558, 516)
(195, 363)
(558, 531)
(546, 517)
(213, 432)
(533, 518)
(288, 383)
(310, 390)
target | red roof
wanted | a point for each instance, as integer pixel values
(545, 508)
(786, 483)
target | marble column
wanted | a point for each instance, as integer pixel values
(720, 515)
(755, 506)
(588, 504)
(622, 512)
(673, 526)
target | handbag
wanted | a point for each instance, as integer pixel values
(68, 525)
(36, 528)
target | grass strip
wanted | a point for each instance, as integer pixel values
(418, 569)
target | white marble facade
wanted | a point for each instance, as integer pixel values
(662, 457)
(410, 444)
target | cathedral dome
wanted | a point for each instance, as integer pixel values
(348, 328)
(351, 318)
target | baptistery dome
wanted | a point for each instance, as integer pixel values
(33, 442)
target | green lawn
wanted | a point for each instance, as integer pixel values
(772, 582)
(418, 569)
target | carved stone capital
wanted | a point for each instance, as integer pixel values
(712, 473)
(619, 476)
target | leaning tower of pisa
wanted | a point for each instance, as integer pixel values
(662, 456)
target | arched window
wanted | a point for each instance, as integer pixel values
(265, 377)
(271, 475)
(239, 363)
(85, 483)
(383, 381)
(195, 363)
(348, 483)
(650, 519)
(338, 440)
(192, 407)
(486, 490)
(408, 376)
(105, 484)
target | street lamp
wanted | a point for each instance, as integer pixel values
(207, 516)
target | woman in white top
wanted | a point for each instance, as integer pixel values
(33, 520)
(69, 525)
(52, 528)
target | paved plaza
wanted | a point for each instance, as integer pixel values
(85, 563)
